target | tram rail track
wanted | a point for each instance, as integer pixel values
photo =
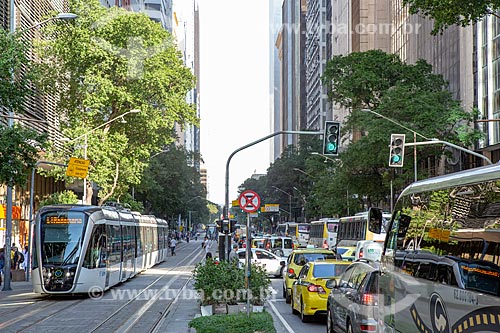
(127, 317)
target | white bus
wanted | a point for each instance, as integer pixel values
(440, 264)
(323, 233)
(299, 232)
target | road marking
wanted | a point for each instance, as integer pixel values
(280, 317)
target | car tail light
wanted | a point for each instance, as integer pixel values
(325, 244)
(244, 245)
(291, 271)
(368, 327)
(369, 299)
(316, 289)
(361, 253)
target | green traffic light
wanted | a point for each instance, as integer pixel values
(331, 147)
(396, 159)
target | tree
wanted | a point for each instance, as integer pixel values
(19, 146)
(409, 94)
(451, 12)
(171, 186)
(110, 62)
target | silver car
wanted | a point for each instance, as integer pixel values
(352, 302)
(273, 264)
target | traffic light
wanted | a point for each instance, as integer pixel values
(397, 150)
(331, 138)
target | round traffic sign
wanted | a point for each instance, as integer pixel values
(249, 201)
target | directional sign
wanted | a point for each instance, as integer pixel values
(272, 208)
(77, 167)
(249, 201)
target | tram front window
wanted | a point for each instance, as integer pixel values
(61, 237)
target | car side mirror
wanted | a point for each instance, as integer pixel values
(375, 220)
(282, 263)
(331, 284)
(292, 276)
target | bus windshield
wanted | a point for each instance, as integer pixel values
(61, 237)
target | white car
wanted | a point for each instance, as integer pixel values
(273, 264)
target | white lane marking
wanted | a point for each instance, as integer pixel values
(280, 317)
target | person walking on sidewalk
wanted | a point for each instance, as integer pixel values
(173, 243)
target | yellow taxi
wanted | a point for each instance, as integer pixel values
(310, 291)
(297, 259)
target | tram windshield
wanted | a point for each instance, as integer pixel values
(61, 237)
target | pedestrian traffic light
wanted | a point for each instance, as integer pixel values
(397, 150)
(331, 138)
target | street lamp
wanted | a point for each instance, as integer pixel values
(289, 200)
(85, 135)
(8, 217)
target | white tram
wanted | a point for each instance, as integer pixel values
(81, 249)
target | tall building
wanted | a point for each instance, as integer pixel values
(451, 54)
(358, 26)
(40, 113)
(158, 10)
(185, 25)
(318, 50)
(274, 76)
(290, 44)
(487, 78)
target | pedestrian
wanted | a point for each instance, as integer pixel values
(25, 255)
(17, 259)
(173, 243)
(233, 255)
(2, 262)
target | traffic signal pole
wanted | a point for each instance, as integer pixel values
(226, 205)
(437, 141)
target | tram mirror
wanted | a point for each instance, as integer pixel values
(375, 220)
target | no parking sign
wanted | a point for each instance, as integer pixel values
(249, 201)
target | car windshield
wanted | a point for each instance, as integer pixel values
(328, 270)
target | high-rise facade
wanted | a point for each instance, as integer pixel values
(318, 50)
(274, 76)
(487, 78)
(290, 43)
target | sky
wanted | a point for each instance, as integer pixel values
(234, 91)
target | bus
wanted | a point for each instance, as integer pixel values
(355, 228)
(440, 265)
(299, 232)
(323, 233)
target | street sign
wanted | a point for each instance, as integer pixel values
(249, 201)
(77, 167)
(272, 208)
(235, 203)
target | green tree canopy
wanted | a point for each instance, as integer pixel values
(451, 12)
(171, 186)
(410, 95)
(107, 63)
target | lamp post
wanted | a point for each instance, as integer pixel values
(289, 201)
(8, 217)
(85, 136)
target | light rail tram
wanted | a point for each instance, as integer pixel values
(82, 249)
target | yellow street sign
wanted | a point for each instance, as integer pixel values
(235, 203)
(77, 167)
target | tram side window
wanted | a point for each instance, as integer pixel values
(138, 237)
(96, 250)
(114, 245)
(155, 238)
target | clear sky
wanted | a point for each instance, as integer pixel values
(234, 91)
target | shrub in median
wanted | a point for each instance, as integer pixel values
(234, 323)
